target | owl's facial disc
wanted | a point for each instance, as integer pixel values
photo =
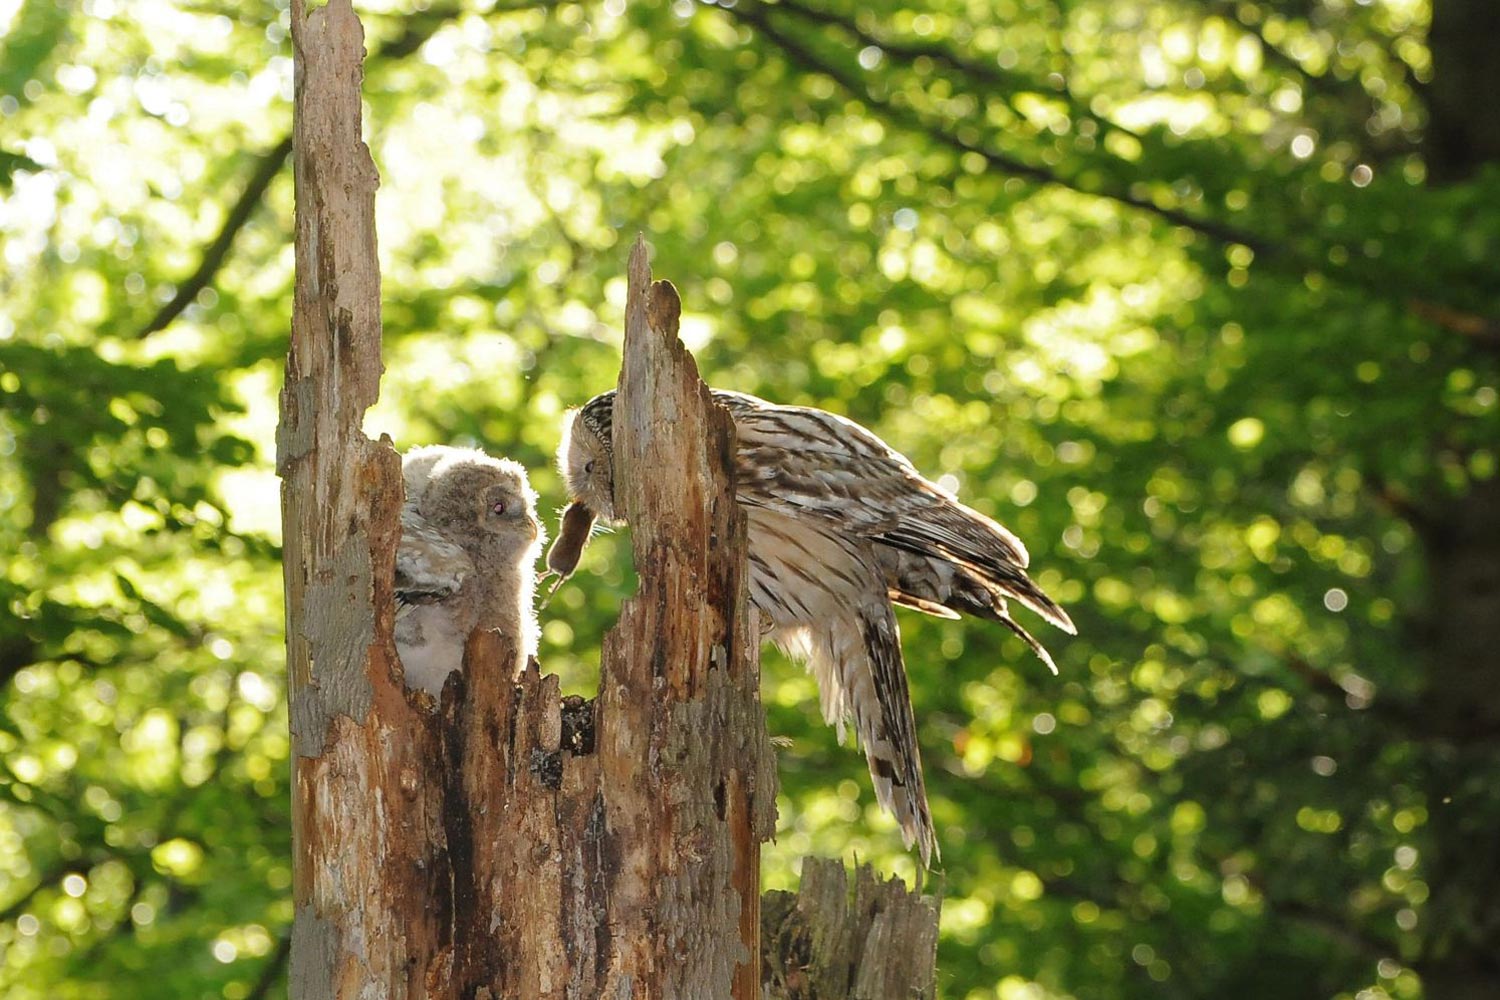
(586, 467)
(503, 510)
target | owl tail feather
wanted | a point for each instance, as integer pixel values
(861, 678)
(887, 729)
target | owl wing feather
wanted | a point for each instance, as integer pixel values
(934, 550)
(841, 526)
(429, 567)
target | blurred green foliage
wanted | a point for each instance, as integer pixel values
(1172, 288)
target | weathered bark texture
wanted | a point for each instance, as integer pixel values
(616, 853)
(824, 943)
(503, 846)
(364, 829)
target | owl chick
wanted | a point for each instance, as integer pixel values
(839, 526)
(469, 542)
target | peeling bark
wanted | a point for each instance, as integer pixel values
(364, 815)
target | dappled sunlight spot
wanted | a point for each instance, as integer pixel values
(1247, 432)
(253, 499)
(1188, 819)
(1181, 113)
(1315, 820)
(199, 745)
(696, 330)
(975, 752)
(843, 807)
(1025, 887)
(151, 749)
(102, 804)
(178, 857)
(1272, 704)
(792, 690)
(70, 915)
(1013, 987)
(27, 768)
(963, 918)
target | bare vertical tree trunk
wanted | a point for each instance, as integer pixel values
(363, 806)
(490, 849)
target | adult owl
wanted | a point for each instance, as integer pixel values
(467, 558)
(840, 526)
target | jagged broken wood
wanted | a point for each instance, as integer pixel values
(825, 942)
(622, 858)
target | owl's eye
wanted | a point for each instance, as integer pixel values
(588, 467)
(499, 507)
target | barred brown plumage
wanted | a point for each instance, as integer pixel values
(840, 526)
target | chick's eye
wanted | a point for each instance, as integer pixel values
(588, 467)
(499, 507)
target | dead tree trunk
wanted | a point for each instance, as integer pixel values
(621, 857)
(365, 844)
(506, 844)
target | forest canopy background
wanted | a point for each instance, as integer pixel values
(1198, 297)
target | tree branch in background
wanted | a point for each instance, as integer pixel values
(1005, 81)
(268, 166)
(17, 652)
(1348, 90)
(1481, 330)
(755, 15)
(418, 30)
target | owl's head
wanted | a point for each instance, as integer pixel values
(474, 497)
(586, 456)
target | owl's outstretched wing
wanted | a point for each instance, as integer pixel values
(429, 567)
(935, 552)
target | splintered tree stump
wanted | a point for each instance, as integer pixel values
(613, 849)
(825, 942)
(506, 842)
(496, 845)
